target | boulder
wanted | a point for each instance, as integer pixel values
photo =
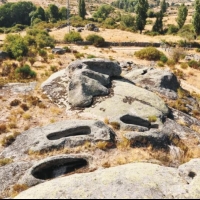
(130, 106)
(89, 78)
(91, 27)
(56, 87)
(58, 136)
(157, 80)
(53, 167)
(3, 55)
(130, 181)
(156, 139)
(11, 173)
(81, 82)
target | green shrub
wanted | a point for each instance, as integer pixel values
(149, 53)
(194, 64)
(151, 33)
(96, 40)
(42, 53)
(73, 37)
(79, 55)
(91, 56)
(25, 72)
(172, 29)
(163, 58)
(15, 45)
(39, 38)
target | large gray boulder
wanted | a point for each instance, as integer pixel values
(58, 136)
(90, 78)
(130, 106)
(10, 174)
(157, 80)
(131, 181)
(81, 82)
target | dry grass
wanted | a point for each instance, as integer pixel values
(115, 125)
(123, 144)
(18, 189)
(152, 118)
(56, 110)
(102, 145)
(196, 128)
(5, 161)
(8, 140)
(3, 128)
(26, 116)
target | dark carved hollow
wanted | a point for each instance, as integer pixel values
(58, 167)
(82, 130)
(129, 119)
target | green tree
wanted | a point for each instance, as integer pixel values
(39, 14)
(103, 12)
(196, 17)
(53, 13)
(182, 15)
(16, 13)
(82, 9)
(158, 25)
(163, 6)
(141, 11)
(63, 13)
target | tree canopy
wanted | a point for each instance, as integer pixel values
(16, 13)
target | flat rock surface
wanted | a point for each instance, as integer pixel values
(137, 180)
(129, 99)
(59, 135)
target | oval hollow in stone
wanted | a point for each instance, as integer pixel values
(81, 130)
(129, 119)
(58, 167)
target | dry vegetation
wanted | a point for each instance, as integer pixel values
(22, 111)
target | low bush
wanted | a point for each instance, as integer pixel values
(73, 37)
(149, 53)
(152, 118)
(96, 40)
(163, 58)
(172, 29)
(25, 72)
(91, 56)
(171, 63)
(160, 64)
(194, 64)
(184, 65)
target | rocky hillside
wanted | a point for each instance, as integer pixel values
(127, 113)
